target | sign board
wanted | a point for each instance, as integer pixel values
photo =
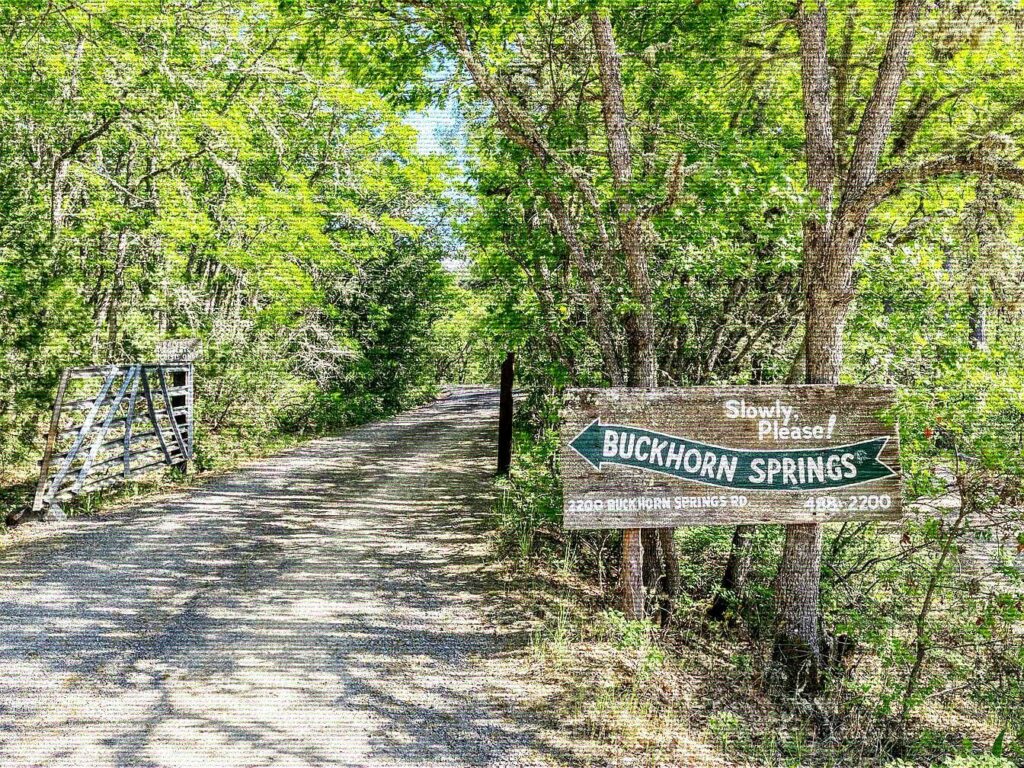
(178, 350)
(653, 458)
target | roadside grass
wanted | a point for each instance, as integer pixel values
(216, 455)
(691, 694)
(695, 693)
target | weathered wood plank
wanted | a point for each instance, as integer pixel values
(635, 458)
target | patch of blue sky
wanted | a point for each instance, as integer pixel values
(440, 130)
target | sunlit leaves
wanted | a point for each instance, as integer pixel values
(211, 186)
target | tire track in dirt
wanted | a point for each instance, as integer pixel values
(327, 606)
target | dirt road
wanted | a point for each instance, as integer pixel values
(326, 607)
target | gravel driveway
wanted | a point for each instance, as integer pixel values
(328, 606)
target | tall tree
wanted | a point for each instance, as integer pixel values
(634, 242)
(170, 169)
(847, 188)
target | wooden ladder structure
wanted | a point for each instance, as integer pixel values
(122, 421)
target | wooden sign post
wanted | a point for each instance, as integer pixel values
(659, 458)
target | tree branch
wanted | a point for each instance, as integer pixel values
(613, 104)
(515, 123)
(85, 138)
(821, 159)
(840, 107)
(633, 230)
(925, 105)
(674, 177)
(891, 181)
(876, 124)
(996, 123)
(170, 166)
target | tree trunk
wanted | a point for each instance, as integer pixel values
(797, 652)
(631, 583)
(829, 290)
(978, 320)
(57, 191)
(600, 325)
(652, 570)
(831, 241)
(116, 293)
(632, 228)
(735, 572)
(505, 405)
(539, 279)
(633, 242)
(670, 557)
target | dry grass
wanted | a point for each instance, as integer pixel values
(693, 694)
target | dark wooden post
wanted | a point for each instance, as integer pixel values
(54, 511)
(505, 415)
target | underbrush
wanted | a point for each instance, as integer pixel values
(244, 432)
(214, 454)
(696, 691)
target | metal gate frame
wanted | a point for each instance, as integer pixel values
(91, 461)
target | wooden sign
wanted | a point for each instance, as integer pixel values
(655, 458)
(179, 350)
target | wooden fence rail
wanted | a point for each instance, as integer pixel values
(112, 423)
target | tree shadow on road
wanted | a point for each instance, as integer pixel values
(326, 607)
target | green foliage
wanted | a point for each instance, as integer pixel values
(170, 170)
(914, 633)
(531, 495)
(248, 177)
(987, 761)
